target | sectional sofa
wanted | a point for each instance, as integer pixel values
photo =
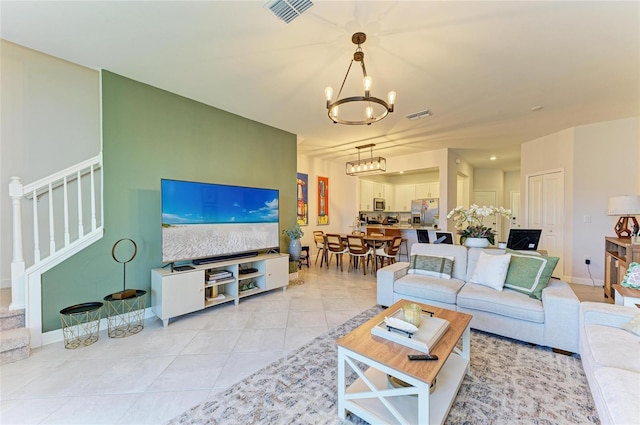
(610, 352)
(551, 321)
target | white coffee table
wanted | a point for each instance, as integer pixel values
(373, 399)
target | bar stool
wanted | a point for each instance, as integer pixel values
(304, 257)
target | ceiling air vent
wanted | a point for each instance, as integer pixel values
(288, 10)
(418, 115)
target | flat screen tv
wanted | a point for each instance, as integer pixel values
(206, 220)
(524, 239)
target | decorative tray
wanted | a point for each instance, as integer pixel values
(429, 332)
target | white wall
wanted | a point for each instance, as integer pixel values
(50, 120)
(343, 199)
(605, 165)
(599, 161)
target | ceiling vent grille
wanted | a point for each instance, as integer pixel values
(418, 115)
(288, 10)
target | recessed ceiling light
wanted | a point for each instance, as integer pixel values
(536, 108)
(401, 172)
(492, 157)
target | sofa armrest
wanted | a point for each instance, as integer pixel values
(386, 277)
(605, 314)
(561, 316)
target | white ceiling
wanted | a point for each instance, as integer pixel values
(478, 66)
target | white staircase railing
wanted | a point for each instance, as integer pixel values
(66, 203)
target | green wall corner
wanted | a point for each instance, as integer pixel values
(149, 134)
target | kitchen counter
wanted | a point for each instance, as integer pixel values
(399, 226)
(409, 232)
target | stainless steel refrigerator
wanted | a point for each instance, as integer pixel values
(425, 211)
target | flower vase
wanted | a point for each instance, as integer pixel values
(295, 248)
(476, 242)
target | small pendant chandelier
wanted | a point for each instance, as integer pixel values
(371, 165)
(372, 108)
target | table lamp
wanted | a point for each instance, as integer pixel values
(626, 207)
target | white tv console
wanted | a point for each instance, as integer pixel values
(180, 292)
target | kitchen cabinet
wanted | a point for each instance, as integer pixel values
(404, 194)
(366, 195)
(389, 196)
(428, 190)
(378, 190)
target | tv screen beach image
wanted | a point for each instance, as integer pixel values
(202, 220)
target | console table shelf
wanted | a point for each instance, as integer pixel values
(181, 292)
(618, 254)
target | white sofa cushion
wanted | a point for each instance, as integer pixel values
(491, 270)
(506, 303)
(428, 288)
(617, 395)
(623, 353)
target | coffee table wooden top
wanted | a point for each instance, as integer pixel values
(394, 355)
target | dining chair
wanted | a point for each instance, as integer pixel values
(389, 252)
(318, 238)
(358, 249)
(405, 244)
(336, 246)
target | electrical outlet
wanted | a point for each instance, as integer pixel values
(587, 260)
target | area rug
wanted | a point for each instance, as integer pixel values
(511, 383)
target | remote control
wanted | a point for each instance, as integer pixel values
(422, 357)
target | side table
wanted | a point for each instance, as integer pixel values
(81, 324)
(626, 296)
(125, 316)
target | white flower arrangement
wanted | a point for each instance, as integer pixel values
(472, 217)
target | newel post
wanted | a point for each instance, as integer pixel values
(17, 264)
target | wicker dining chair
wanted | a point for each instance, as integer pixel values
(318, 238)
(389, 252)
(337, 247)
(358, 250)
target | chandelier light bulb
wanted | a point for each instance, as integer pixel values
(353, 168)
(392, 97)
(371, 166)
(378, 165)
(358, 169)
(369, 111)
(367, 85)
(334, 111)
(328, 92)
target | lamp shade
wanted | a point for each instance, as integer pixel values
(624, 205)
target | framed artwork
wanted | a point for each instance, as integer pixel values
(303, 199)
(323, 200)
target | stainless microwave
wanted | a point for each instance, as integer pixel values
(378, 204)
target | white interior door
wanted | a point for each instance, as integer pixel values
(488, 198)
(545, 209)
(514, 206)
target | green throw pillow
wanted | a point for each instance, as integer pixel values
(528, 273)
(632, 277)
(431, 265)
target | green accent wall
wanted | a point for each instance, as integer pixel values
(149, 134)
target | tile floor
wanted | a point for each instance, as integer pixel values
(157, 374)
(150, 377)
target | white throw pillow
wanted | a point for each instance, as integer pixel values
(491, 270)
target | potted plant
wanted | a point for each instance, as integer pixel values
(470, 227)
(295, 247)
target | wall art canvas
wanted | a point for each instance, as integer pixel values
(323, 200)
(303, 199)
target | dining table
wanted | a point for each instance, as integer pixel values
(375, 241)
